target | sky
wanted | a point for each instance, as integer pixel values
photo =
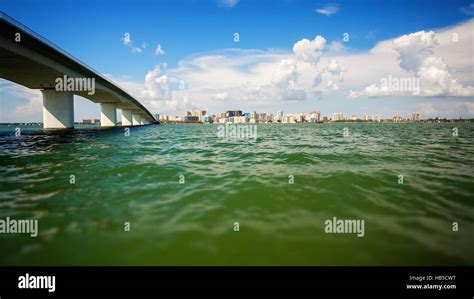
(264, 56)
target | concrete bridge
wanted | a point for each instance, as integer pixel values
(32, 61)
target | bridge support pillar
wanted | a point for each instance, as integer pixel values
(135, 119)
(58, 109)
(126, 118)
(108, 115)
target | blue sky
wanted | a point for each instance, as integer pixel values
(93, 30)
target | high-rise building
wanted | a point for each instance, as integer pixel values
(201, 113)
(254, 117)
(279, 115)
(415, 116)
(270, 117)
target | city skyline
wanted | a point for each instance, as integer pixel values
(315, 116)
(324, 57)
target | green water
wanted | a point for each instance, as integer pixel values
(136, 179)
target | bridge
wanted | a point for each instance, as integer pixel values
(30, 60)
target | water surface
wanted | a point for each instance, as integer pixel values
(136, 179)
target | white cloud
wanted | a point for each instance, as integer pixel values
(243, 77)
(337, 47)
(246, 78)
(450, 108)
(127, 41)
(227, 3)
(328, 10)
(417, 59)
(286, 73)
(309, 50)
(159, 50)
(156, 84)
(25, 112)
(223, 96)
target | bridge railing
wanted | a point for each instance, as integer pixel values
(12, 21)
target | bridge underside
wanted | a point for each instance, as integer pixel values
(37, 65)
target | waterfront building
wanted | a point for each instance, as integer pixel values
(338, 116)
(279, 115)
(254, 117)
(397, 119)
(314, 114)
(191, 118)
(415, 116)
(232, 113)
(270, 118)
(240, 119)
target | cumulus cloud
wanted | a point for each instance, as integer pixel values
(250, 77)
(311, 70)
(328, 10)
(156, 84)
(286, 74)
(416, 57)
(309, 50)
(337, 47)
(333, 75)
